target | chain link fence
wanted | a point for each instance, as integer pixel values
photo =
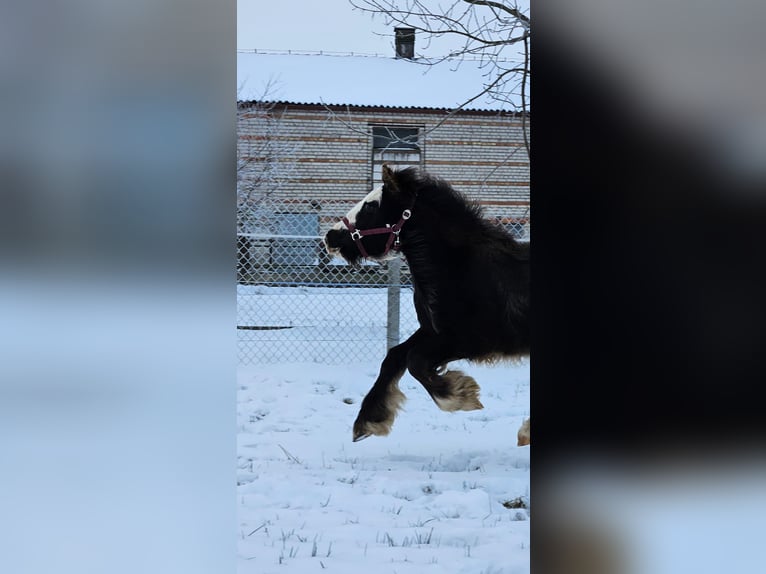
(297, 304)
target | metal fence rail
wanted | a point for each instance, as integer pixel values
(297, 304)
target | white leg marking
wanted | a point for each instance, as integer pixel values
(523, 434)
(464, 393)
(394, 402)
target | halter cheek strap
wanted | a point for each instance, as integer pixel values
(392, 230)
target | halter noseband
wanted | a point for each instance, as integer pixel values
(392, 230)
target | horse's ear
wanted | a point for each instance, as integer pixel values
(389, 178)
(391, 182)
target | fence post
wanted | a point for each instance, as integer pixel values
(394, 291)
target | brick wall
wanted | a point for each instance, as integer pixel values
(481, 153)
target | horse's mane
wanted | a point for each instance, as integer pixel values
(464, 217)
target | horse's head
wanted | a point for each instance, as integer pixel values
(371, 229)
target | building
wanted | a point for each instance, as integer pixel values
(316, 146)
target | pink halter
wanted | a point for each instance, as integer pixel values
(393, 230)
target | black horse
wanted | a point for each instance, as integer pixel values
(471, 289)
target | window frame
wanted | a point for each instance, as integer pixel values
(414, 150)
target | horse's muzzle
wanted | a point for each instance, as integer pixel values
(333, 241)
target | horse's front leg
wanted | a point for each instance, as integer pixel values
(384, 399)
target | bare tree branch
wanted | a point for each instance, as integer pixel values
(266, 161)
(453, 111)
(515, 12)
(348, 124)
(486, 29)
(524, 76)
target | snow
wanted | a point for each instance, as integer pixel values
(360, 80)
(427, 498)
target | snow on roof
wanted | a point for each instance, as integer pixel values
(360, 80)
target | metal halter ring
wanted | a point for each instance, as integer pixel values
(406, 214)
(356, 235)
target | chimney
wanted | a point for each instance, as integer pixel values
(405, 43)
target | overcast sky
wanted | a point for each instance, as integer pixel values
(313, 25)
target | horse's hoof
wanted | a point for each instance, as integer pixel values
(358, 437)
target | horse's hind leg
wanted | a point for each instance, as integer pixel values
(384, 399)
(450, 390)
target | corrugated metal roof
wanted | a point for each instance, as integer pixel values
(361, 80)
(340, 108)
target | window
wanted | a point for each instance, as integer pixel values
(289, 248)
(398, 146)
(392, 138)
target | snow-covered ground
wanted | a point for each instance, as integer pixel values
(443, 493)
